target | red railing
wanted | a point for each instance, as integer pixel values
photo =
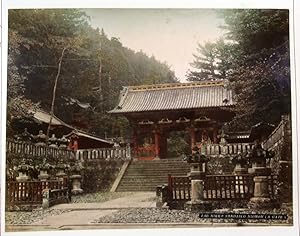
(179, 188)
(218, 187)
(30, 192)
(228, 187)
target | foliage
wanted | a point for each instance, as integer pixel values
(212, 61)
(94, 67)
(261, 77)
(254, 58)
(17, 105)
(177, 145)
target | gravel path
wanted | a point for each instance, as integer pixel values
(98, 197)
(25, 217)
(155, 215)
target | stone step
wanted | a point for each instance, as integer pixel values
(147, 175)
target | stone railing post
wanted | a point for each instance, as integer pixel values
(197, 176)
(261, 198)
(128, 151)
(46, 198)
(76, 178)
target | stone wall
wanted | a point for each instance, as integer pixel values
(99, 175)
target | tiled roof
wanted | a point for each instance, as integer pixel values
(44, 117)
(81, 133)
(174, 96)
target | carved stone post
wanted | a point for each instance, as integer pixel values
(53, 141)
(261, 198)
(240, 162)
(76, 178)
(44, 167)
(46, 198)
(61, 168)
(197, 175)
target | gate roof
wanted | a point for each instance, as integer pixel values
(174, 96)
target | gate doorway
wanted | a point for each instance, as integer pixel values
(178, 143)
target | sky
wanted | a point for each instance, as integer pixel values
(170, 35)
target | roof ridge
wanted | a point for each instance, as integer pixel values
(177, 85)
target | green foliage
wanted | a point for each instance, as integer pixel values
(261, 75)
(212, 61)
(94, 67)
(177, 145)
(254, 58)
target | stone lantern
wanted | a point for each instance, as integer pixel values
(240, 161)
(41, 139)
(258, 157)
(222, 136)
(23, 170)
(63, 142)
(197, 163)
(76, 178)
(53, 141)
(26, 136)
(61, 168)
(44, 167)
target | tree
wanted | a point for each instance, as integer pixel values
(204, 63)
(212, 61)
(260, 67)
(17, 105)
(93, 68)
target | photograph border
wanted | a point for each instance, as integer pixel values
(287, 4)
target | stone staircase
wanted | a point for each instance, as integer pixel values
(146, 175)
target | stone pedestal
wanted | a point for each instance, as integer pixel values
(22, 177)
(261, 199)
(61, 174)
(197, 203)
(76, 184)
(43, 176)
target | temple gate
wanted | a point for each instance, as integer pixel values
(199, 109)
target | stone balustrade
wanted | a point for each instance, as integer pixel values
(122, 153)
(32, 150)
(225, 149)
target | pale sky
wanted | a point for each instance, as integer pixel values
(170, 35)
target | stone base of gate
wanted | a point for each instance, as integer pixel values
(261, 203)
(198, 206)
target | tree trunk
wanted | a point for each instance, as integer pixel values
(54, 90)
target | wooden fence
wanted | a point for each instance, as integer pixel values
(218, 187)
(103, 153)
(179, 188)
(32, 150)
(225, 149)
(228, 187)
(30, 193)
